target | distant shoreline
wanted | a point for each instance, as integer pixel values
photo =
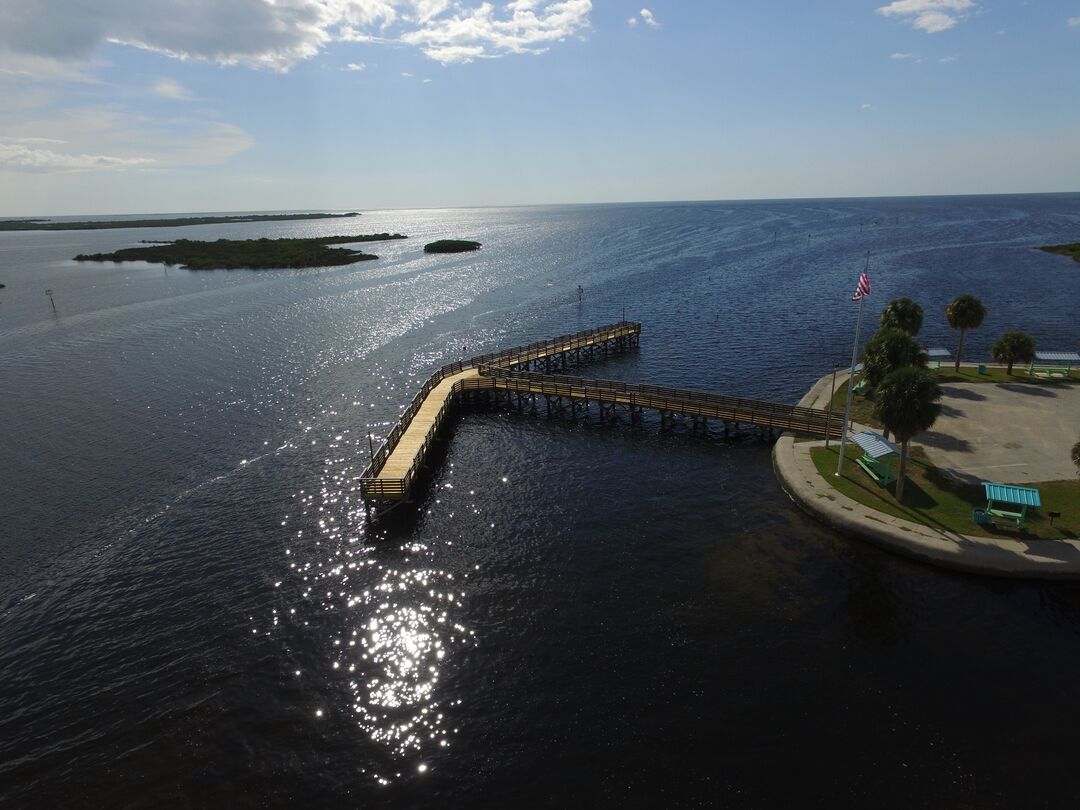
(43, 224)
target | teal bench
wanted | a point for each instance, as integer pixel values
(881, 473)
(1016, 518)
(1050, 371)
(985, 517)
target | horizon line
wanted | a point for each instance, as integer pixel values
(698, 201)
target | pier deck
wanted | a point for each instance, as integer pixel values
(412, 441)
(390, 474)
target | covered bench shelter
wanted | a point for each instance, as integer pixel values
(877, 450)
(936, 355)
(1051, 363)
(1011, 502)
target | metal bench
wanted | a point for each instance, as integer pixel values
(1050, 371)
(985, 517)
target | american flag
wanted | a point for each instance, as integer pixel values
(863, 289)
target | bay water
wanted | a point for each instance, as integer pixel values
(194, 612)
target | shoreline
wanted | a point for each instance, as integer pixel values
(49, 224)
(1018, 558)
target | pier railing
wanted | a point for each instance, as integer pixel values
(542, 348)
(662, 398)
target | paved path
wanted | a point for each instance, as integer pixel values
(985, 555)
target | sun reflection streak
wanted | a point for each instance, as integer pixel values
(387, 618)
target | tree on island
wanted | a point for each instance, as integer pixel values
(451, 246)
(903, 313)
(907, 402)
(1014, 347)
(888, 350)
(965, 312)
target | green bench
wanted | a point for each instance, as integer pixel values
(881, 473)
(1050, 371)
(1014, 517)
(985, 517)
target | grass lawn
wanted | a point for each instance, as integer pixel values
(998, 375)
(862, 409)
(934, 499)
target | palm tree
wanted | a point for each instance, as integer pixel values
(903, 313)
(891, 348)
(1014, 346)
(966, 312)
(907, 401)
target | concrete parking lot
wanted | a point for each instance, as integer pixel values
(1006, 432)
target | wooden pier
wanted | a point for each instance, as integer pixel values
(525, 371)
(390, 474)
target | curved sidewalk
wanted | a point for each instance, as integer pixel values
(1029, 558)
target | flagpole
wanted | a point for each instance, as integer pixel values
(851, 379)
(850, 385)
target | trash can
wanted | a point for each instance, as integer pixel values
(979, 516)
(982, 369)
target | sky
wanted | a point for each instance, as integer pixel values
(144, 106)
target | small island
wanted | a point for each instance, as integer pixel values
(96, 225)
(451, 246)
(1065, 250)
(250, 254)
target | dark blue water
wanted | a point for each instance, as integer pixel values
(193, 611)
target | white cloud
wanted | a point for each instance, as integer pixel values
(649, 18)
(866, 106)
(169, 88)
(25, 67)
(945, 60)
(30, 139)
(480, 33)
(277, 34)
(905, 57)
(632, 22)
(931, 16)
(20, 157)
(407, 75)
(95, 138)
(1073, 22)
(355, 67)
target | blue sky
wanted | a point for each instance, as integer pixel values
(189, 105)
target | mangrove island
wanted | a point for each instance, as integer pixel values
(95, 225)
(251, 254)
(1072, 249)
(451, 246)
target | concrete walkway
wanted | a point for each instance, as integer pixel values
(1042, 559)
